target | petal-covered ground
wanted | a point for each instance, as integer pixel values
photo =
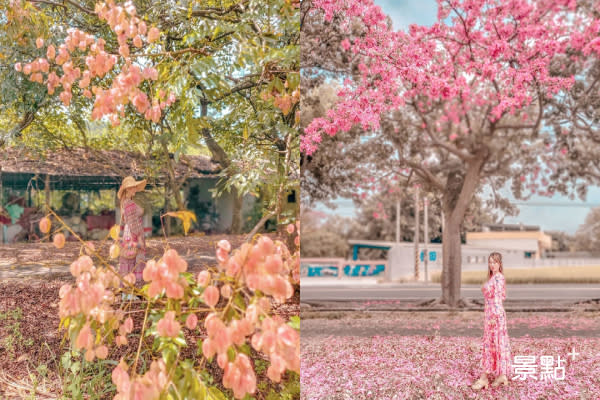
(407, 366)
(470, 323)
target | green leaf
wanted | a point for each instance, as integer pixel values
(180, 341)
(278, 85)
(215, 394)
(75, 367)
(238, 300)
(231, 354)
(294, 322)
(293, 80)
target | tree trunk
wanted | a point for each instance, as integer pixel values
(167, 220)
(1, 207)
(219, 156)
(416, 234)
(459, 193)
(452, 256)
(236, 221)
(172, 180)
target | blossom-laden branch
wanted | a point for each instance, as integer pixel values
(237, 295)
(493, 57)
(83, 61)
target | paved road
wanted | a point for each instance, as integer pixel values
(408, 292)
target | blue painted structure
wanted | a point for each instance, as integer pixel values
(366, 268)
(432, 255)
(356, 247)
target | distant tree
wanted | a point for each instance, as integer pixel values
(562, 241)
(323, 236)
(587, 237)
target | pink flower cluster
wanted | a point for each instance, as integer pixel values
(146, 387)
(109, 102)
(238, 375)
(164, 274)
(168, 326)
(93, 297)
(85, 340)
(125, 328)
(221, 336)
(91, 294)
(261, 266)
(281, 343)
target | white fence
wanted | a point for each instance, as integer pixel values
(558, 262)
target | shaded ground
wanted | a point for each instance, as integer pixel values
(468, 324)
(44, 260)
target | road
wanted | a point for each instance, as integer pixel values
(565, 292)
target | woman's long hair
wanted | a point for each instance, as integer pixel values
(496, 257)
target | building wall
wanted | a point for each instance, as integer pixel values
(523, 245)
(222, 206)
(402, 259)
(531, 243)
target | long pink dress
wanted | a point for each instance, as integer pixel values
(496, 356)
(133, 232)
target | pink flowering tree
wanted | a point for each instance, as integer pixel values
(229, 305)
(463, 101)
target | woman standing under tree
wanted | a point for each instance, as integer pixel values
(495, 357)
(133, 245)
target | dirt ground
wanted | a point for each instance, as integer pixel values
(200, 249)
(33, 339)
(29, 334)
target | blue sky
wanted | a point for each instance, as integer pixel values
(561, 214)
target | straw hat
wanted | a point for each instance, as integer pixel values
(130, 182)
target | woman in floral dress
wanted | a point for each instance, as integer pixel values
(496, 355)
(133, 229)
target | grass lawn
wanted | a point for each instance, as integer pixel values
(583, 274)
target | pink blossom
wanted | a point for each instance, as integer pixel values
(191, 321)
(211, 296)
(168, 326)
(153, 34)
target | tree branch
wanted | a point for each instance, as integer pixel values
(210, 11)
(71, 2)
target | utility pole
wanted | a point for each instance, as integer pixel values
(2, 207)
(398, 204)
(416, 237)
(425, 236)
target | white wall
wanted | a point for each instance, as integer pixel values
(515, 244)
(402, 260)
(223, 204)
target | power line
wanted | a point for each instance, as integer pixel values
(343, 202)
(548, 204)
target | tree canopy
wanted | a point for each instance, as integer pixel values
(164, 78)
(465, 101)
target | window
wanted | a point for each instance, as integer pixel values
(292, 197)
